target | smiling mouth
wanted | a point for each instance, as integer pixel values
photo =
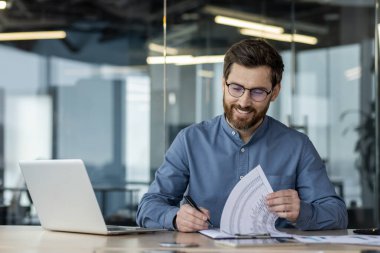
(244, 112)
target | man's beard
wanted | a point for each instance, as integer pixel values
(243, 124)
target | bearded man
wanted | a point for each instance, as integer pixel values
(208, 159)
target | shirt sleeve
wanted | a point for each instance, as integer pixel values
(320, 206)
(160, 204)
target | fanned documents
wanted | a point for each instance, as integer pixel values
(245, 213)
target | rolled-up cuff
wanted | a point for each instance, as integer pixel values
(169, 217)
(306, 213)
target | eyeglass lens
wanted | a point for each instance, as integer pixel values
(257, 95)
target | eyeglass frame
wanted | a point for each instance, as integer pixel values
(250, 91)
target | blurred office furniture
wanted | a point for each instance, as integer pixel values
(19, 212)
(124, 216)
(15, 212)
(338, 185)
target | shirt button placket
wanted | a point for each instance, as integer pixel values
(243, 165)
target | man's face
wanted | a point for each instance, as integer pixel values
(243, 112)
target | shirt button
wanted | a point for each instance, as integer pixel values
(242, 150)
(241, 177)
(233, 132)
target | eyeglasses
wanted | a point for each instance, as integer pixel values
(257, 94)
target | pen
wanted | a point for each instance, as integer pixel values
(192, 203)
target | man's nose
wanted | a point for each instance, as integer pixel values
(245, 100)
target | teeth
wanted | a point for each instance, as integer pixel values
(241, 111)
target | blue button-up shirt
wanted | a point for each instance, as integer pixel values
(208, 159)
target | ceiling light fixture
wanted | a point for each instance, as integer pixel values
(248, 24)
(310, 40)
(41, 35)
(168, 59)
(3, 5)
(160, 49)
(185, 59)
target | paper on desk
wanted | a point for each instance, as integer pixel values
(245, 211)
(215, 233)
(341, 239)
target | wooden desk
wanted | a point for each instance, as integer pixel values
(29, 239)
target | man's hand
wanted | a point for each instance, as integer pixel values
(190, 220)
(285, 203)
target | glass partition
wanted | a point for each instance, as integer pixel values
(376, 118)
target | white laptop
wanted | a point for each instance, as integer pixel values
(63, 196)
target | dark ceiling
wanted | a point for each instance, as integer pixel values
(131, 24)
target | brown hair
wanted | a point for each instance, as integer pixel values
(254, 53)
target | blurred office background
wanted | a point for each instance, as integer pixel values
(102, 92)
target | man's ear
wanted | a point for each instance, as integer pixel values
(275, 92)
(223, 82)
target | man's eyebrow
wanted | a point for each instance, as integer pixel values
(259, 87)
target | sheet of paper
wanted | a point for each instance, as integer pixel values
(215, 233)
(245, 211)
(342, 239)
(254, 242)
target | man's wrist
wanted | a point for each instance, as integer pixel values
(175, 222)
